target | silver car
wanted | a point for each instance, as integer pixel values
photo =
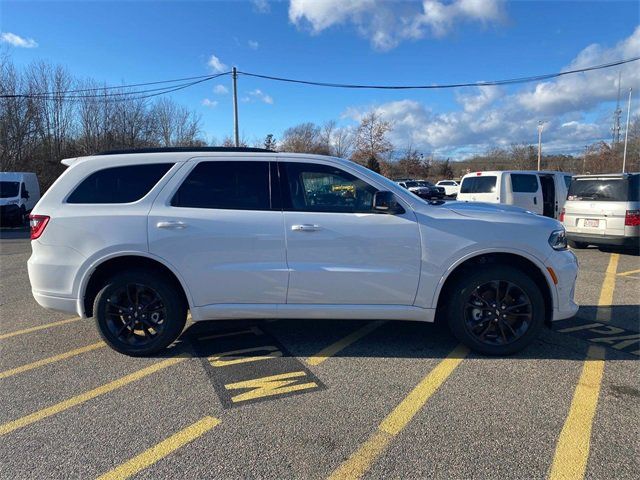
(603, 210)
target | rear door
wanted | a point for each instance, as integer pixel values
(526, 192)
(219, 228)
(597, 205)
(339, 250)
(479, 188)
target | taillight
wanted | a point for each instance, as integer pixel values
(37, 223)
(632, 218)
(561, 217)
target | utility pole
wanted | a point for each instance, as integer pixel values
(584, 159)
(626, 134)
(540, 127)
(236, 135)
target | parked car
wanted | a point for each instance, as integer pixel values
(135, 239)
(451, 187)
(422, 189)
(19, 192)
(539, 192)
(603, 210)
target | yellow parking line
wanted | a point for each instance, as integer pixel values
(39, 327)
(55, 358)
(362, 459)
(572, 450)
(609, 283)
(343, 343)
(630, 272)
(83, 397)
(161, 450)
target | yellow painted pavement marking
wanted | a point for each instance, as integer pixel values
(39, 327)
(86, 396)
(343, 343)
(572, 450)
(630, 272)
(608, 285)
(50, 360)
(362, 459)
(161, 450)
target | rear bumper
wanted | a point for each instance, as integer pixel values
(604, 240)
(60, 304)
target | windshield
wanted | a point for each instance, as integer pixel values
(9, 189)
(425, 184)
(601, 189)
(478, 185)
(411, 184)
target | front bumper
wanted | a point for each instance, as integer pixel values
(565, 266)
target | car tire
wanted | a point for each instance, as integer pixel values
(24, 217)
(577, 245)
(151, 319)
(466, 328)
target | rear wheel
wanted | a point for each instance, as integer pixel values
(577, 245)
(497, 310)
(138, 313)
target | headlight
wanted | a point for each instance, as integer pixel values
(558, 240)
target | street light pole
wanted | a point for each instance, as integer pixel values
(626, 134)
(540, 127)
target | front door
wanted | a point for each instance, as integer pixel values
(339, 251)
(526, 192)
(219, 229)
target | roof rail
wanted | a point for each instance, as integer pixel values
(186, 149)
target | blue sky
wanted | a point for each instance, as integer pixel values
(361, 41)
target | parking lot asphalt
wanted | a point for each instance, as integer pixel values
(322, 399)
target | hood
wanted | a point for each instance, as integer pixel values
(495, 213)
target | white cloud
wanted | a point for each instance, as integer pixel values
(209, 103)
(261, 6)
(253, 44)
(220, 90)
(258, 95)
(577, 109)
(386, 24)
(17, 40)
(216, 65)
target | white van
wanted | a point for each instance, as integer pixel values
(539, 192)
(19, 193)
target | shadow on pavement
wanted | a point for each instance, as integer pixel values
(14, 233)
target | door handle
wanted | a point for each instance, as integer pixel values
(535, 200)
(171, 225)
(305, 227)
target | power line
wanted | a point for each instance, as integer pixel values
(62, 95)
(510, 81)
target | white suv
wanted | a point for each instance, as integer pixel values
(135, 239)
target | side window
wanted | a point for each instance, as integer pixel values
(226, 185)
(322, 188)
(524, 183)
(119, 184)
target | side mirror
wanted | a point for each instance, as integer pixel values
(386, 202)
(25, 195)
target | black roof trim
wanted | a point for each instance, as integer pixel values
(186, 150)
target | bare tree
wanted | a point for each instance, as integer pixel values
(371, 138)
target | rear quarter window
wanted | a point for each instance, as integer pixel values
(479, 184)
(524, 183)
(119, 184)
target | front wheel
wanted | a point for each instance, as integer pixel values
(138, 313)
(497, 310)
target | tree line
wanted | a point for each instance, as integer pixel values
(37, 131)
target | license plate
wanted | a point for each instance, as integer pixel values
(591, 223)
